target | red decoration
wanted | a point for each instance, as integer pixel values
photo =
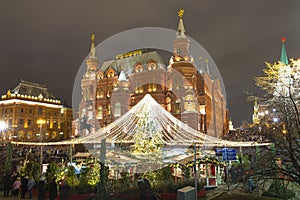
(283, 39)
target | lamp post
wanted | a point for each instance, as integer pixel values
(41, 122)
(2, 128)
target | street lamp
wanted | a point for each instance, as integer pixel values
(41, 122)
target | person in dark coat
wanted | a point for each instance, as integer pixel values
(7, 184)
(24, 183)
(12, 180)
(64, 190)
(142, 185)
(41, 189)
(52, 190)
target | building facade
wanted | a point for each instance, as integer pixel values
(191, 95)
(32, 113)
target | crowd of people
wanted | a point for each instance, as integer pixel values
(15, 186)
(245, 135)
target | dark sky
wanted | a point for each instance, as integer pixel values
(46, 42)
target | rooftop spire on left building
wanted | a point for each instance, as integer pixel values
(93, 49)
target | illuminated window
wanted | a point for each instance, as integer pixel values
(168, 101)
(189, 103)
(110, 73)
(151, 66)
(100, 75)
(138, 68)
(117, 110)
(108, 110)
(53, 135)
(100, 112)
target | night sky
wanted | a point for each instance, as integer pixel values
(46, 42)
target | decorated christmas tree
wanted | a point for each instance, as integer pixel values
(148, 133)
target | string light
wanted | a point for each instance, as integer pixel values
(171, 130)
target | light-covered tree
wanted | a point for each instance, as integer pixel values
(281, 84)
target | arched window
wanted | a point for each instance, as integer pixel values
(110, 73)
(151, 66)
(138, 68)
(168, 101)
(99, 75)
(100, 112)
(117, 110)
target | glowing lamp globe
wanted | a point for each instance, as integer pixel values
(2, 125)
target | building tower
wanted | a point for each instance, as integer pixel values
(182, 76)
(284, 74)
(87, 113)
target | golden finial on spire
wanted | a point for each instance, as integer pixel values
(180, 13)
(93, 37)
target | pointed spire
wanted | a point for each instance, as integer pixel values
(180, 29)
(283, 56)
(93, 50)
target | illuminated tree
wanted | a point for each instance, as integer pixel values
(281, 83)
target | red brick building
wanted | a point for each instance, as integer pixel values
(192, 96)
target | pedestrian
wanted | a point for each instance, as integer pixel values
(142, 185)
(41, 188)
(24, 183)
(6, 184)
(52, 189)
(64, 190)
(250, 184)
(13, 179)
(16, 187)
(30, 185)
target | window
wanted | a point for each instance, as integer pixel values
(29, 122)
(30, 111)
(177, 107)
(21, 110)
(168, 101)
(151, 66)
(100, 112)
(189, 103)
(40, 111)
(138, 68)
(21, 122)
(117, 110)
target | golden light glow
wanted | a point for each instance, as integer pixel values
(41, 121)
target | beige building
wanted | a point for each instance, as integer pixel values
(32, 113)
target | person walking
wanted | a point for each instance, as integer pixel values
(30, 185)
(24, 183)
(6, 184)
(41, 189)
(64, 190)
(52, 189)
(14, 177)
